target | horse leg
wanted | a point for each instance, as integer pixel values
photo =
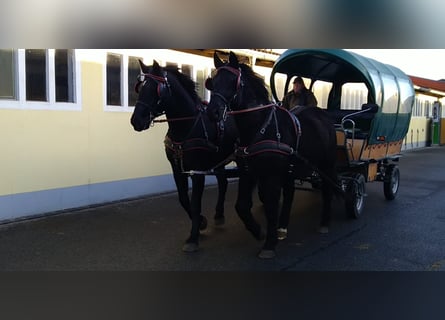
(182, 185)
(198, 220)
(273, 186)
(288, 198)
(243, 206)
(219, 209)
(327, 193)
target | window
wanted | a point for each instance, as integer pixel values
(133, 71)
(121, 73)
(406, 96)
(39, 79)
(423, 106)
(7, 74)
(321, 91)
(353, 96)
(390, 95)
(280, 82)
(187, 70)
(200, 80)
(114, 67)
(63, 61)
(35, 60)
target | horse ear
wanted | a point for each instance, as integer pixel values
(142, 65)
(233, 59)
(217, 61)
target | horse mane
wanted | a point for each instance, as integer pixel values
(186, 82)
(256, 81)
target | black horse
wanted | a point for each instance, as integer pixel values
(276, 146)
(193, 143)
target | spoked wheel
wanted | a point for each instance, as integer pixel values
(355, 195)
(391, 182)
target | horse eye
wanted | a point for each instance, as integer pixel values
(141, 77)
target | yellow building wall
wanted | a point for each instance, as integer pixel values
(46, 149)
(418, 132)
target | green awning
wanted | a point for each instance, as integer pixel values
(389, 87)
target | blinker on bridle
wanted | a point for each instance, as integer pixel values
(239, 85)
(161, 81)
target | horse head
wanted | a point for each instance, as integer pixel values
(153, 89)
(225, 86)
(235, 87)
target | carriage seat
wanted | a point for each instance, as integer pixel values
(361, 118)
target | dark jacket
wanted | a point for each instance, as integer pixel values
(303, 98)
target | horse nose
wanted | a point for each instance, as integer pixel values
(137, 126)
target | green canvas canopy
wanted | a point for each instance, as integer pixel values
(388, 87)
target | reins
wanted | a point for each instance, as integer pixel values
(173, 119)
(234, 112)
(198, 107)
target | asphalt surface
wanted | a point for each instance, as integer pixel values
(147, 234)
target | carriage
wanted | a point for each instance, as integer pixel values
(273, 147)
(370, 104)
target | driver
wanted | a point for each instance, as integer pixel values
(299, 96)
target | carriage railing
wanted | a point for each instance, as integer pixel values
(352, 129)
(371, 108)
(361, 119)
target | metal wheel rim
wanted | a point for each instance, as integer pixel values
(395, 182)
(359, 197)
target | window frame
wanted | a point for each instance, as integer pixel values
(20, 102)
(123, 107)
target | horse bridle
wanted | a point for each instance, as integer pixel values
(239, 86)
(162, 82)
(162, 85)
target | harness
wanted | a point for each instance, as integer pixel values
(260, 145)
(177, 149)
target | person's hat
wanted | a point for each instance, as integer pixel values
(298, 80)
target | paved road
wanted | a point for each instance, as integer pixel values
(407, 234)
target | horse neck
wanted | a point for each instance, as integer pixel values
(249, 123)
(180, 107)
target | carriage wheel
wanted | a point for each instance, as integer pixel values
(355, 196)
(391, 182)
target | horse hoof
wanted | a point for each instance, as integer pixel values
(323, 230)
(219, 221)
(281, 233)
(266, 254)
(190, 247)
(203, 224)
